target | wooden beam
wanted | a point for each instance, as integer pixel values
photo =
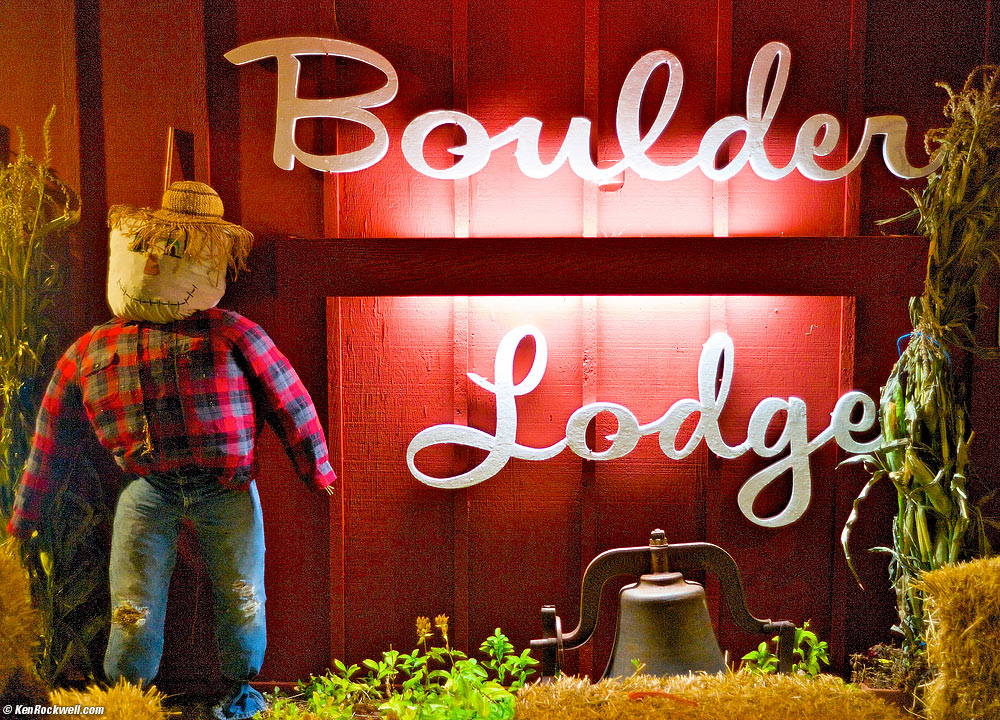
(856, 266)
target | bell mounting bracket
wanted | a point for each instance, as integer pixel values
(657, 557)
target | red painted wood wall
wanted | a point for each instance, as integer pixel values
(495, 552)
(346, 578)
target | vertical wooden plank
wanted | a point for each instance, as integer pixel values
(222, 104)
(877, 324)
(391, 199)
(991, 49)
(335, 440)
(723, 106)
(629, 30)
(39, 62)
(855, 112)
(524, 523)
(526, 58)
(817, 36)
(714, 501)
(199, 97)
(588, 506)
(399, 533)
(588, 472)
(460, 101)
(296, 519)
(784, 346)
(332, 185)
(905, 55)
(648, 354)
(156, 55)
(331, 196)
(89, 258)
(330, 140)
(460, 498)
(591, 96)
(841, 581)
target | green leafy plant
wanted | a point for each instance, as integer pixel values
(68, 575)
(67, 564)
(924, 405)
(810, 651)
(433, 682)
(761, 661)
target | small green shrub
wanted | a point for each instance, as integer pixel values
(434, 682)
(810, 651)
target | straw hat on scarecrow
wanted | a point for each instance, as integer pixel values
(168, 263)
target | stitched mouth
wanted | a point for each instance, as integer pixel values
(166, 303)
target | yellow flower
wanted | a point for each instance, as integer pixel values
(423, 628)
(441, 622)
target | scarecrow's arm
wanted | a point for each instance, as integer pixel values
(290, 409)
(59, 429)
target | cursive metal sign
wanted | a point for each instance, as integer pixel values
(501, 446)
(817, 137)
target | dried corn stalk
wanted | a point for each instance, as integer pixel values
(36, 210)
(923, 409)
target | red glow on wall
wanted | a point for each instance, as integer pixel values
(403, 363)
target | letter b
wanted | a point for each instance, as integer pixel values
(291, 108)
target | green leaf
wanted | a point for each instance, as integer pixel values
(92, 628)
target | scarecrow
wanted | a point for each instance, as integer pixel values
(176, 389)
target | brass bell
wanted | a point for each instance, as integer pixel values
(663, 619)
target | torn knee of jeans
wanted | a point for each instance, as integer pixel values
(248, 603)
(129, 617)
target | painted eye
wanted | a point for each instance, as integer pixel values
(174, 247)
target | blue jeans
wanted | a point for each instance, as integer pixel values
(230, 531)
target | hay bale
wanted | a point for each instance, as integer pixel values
(20, 623)
(963, 640)
(122, 701)
(702, 697)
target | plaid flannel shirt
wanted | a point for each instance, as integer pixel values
(181, 397)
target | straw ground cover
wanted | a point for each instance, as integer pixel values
(702, 697)
(122, 701)
(924, 404)
(20, 623)
(963, 640)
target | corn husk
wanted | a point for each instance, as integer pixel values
(963, 640)
(924, 405)
(702, 697)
